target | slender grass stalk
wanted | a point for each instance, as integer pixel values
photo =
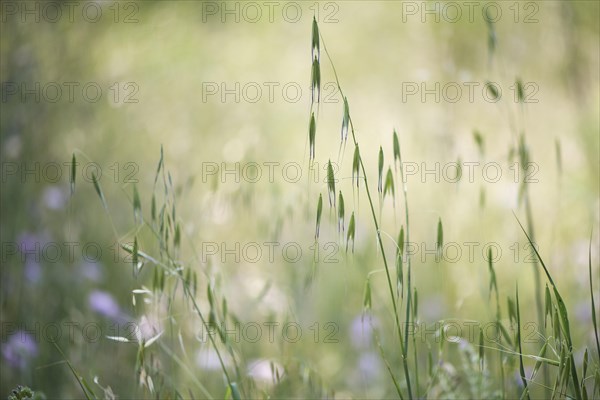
(182, 365)
(592, 299)
(414, 344)
(408, 258)
(521, 368)
(388, 367)
(379, 240)
(494, 287)
(87, 391)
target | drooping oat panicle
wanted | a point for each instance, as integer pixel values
(351, 229)
(400, 249)
(520, 91)
(134, 254)
(523, 152)
(380, 169)
(137, 205)
(491, 87)
(389, 185)
(177, 237)
(316, 81)
(399, 263)
(209, 296)
(356, 165)
(556, 325)
(73, 174)
(540, 358)
(440, 236)
(558, 155)
(99, 191)
(512, 313)
(315, 42)
(188, 277)
(341, 222)
(396, 146)
(319, 212)
(312, 133)
(367, 296)
(345, 121)
(479, 141)
(331, 184)
(153, 208)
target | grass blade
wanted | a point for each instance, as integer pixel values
(160, 165)
(521, 367)
(594, 322)
(493, 283)
(415, 303)
(87, 391)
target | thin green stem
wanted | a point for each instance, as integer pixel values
(379, 240)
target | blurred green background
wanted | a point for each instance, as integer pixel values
(158, 65)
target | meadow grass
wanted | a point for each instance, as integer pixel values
(414, 370)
